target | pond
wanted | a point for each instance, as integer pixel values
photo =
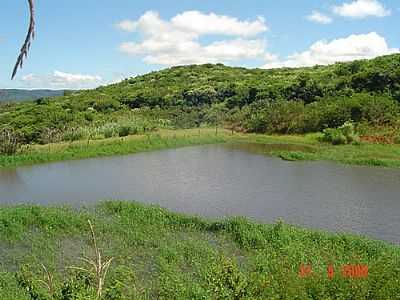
(223, 180)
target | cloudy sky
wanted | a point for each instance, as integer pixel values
(86, 43)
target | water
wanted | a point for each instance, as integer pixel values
(222, 180)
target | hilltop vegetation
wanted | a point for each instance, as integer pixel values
(206, 84)
(252, 100)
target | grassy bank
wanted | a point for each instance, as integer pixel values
(384, 155)
(298, 147)
(113, 146)
(161, 255)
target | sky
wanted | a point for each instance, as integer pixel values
(87, 43)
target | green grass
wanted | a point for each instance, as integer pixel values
(163, 255)
(363, 154)
(108, 147)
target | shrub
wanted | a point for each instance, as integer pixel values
(256, 123)
(49, 135)
(73, 134)
(227, 281)
(334, 136)
(397, 140)
(9, 142)
(345, 134)
(128, 129)
(89, 116)
(285, 116)
(124, 130)
(105, 105)
(109, 131)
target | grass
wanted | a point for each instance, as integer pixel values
(163, 255)
(108, 147)
(363, 154)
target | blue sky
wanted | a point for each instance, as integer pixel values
(86, 43)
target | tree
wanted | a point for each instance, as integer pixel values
(216, 114)
(28, 39)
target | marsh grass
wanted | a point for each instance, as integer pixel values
(163, 255)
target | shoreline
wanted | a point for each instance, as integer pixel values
(364, 154)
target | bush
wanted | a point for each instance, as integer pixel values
(124, 130)
(73, 134)
(109, 130)
(397, 140)
(49, 135)
(127, 129)
(345, 134)
(9, 142)
(89, 116)
(334, 136)
(285, 116)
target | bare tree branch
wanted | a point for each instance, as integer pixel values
(29, 37)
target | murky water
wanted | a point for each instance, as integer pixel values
(222, 180)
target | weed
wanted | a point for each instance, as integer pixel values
(97, 266)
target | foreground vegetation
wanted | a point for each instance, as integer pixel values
(157, 254)
(288, 147)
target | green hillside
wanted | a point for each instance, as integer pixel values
(253, 100)
(205, 84)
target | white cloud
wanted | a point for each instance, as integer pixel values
(126, 25)
(177, 41)
(350, 48)
(271, 57)
(197, 22)
(362, 9)
(61, 80)
(318, 17)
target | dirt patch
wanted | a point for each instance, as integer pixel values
(377, 139)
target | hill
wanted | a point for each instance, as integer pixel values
(254, 100)
(205, 84)
(16, 95)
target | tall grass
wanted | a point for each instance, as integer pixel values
(163, 255)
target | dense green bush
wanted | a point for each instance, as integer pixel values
(124, 130)
(334, 136)
(296, 117)
(128, 129)
(344, 134)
